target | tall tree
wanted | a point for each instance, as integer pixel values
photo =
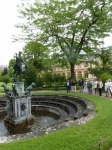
(38, 55)
(68, 26)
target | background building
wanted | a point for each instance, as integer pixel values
(81, 70)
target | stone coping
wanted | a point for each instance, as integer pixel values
(53, 128)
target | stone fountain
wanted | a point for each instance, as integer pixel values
(18, 100)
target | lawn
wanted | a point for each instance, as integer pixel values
(73, 138)
(9, 85)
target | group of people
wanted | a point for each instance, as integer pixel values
(95, 86)
(71, 85)
(88, 86)
(98, 85)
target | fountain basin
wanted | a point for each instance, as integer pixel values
(58, 112)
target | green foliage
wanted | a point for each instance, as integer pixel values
(35, 49)
(58, 78)
(9, 85)
(67, 27)
(5, 79)
(51, 79)
(83, 78)
(1, 90)
(47, 78)
(10, 67)
(0, 74)
(10, 72)
(30, 76)
(105, 76)
(39, 82)
(103, 62)
(38, 55)
(11, 63)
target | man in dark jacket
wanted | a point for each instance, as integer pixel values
(81, 84)
(89, 86)
(73, 86)
(68, 86)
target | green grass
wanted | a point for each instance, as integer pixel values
(73, 138)
(9, 85)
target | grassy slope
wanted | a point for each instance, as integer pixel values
(73, 138)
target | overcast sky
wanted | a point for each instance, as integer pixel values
(8, 18)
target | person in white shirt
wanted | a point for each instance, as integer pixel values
(110, 88)
(85, 87)
(106, 87)
(95, 86)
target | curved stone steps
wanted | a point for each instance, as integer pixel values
(69, 108)
(56, 105)
(61, 98)
(73, 109)
(63, 113)
(2, 103)
(71, 102)
(76, 106)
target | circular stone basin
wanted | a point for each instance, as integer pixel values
(52, 113)
(43, 119)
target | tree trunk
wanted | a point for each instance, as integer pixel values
(72, 71)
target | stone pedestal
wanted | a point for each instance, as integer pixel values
(17, 124)
(18, 109)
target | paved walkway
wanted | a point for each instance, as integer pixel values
(103, 94)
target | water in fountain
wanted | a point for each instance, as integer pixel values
(42, 120)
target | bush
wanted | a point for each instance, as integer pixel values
(1, 89)
(39, 82)
(5, 79)
(30, 76)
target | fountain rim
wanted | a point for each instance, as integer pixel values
(56, 127)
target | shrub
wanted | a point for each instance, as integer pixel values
(5, 79)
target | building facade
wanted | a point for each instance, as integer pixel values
(80, 70)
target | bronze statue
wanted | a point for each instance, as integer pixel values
(18, 65)
(29, 88)
(6, 90)
(10, 97)
(14, 90)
